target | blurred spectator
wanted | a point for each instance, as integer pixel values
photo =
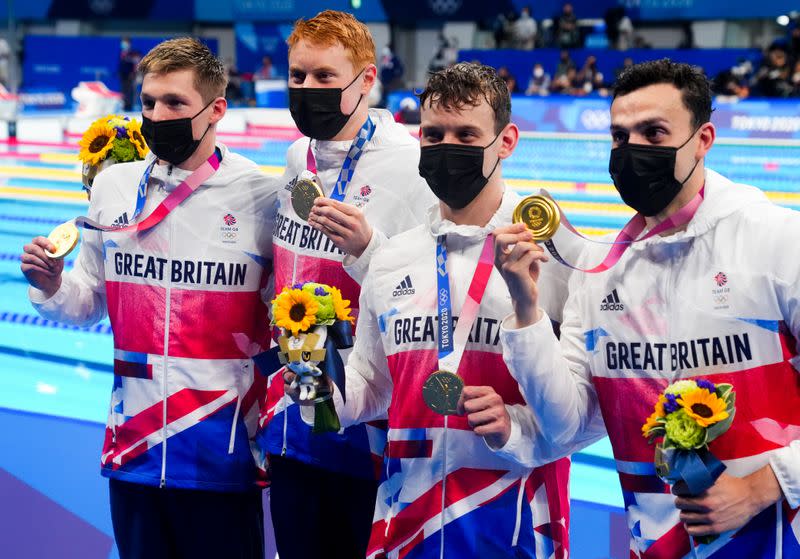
(567, 35)
(446, 53)
(795, 80)
(539, 84)
(564, 63)
(5, 61)
(409, 111)
(612, 18)
(266, 71)
(128, 60)
(627, 63)
(390, 70)
(589, 70)
(733, 84)
(794, 43)
(772, 78)
(599, 85)
(233, 93)
(639, 42)
(525, 30)
(566, 83)
(501, 30)
(687, 42)
(511, 81)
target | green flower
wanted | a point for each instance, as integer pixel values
(681, 386)
(326, 314)
(123, 150)
(683, 431)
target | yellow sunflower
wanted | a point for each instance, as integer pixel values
(341, 306)
(703, 406)
(295, 310)
(660, 406)
(96, 142)
(136, 138)
(651, 423)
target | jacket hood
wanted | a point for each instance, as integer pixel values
(440, 226)
(388, 135)
(169, 176)
(721, 198)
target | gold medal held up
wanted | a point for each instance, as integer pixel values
(539, 214)
(442, 391)
(304, 192)
(65, 237)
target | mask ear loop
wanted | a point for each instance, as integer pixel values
(360, 96)
(204, 108)
(496, 163)
(696, 163)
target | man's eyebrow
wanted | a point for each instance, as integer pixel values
(329, 69)
(640, 124)
(167, 97)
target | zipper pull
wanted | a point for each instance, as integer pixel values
(169, 170)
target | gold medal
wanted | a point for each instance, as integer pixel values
(539, 214)
(65, 237)
(304, 192)
(442, 391)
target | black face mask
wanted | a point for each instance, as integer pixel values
(644, 175)
(317, 111)
(172, 140)
(454, 172)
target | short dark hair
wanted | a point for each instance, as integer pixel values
(690, 80)
(466, 83)
(188, 53)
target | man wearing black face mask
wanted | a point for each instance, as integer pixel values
(365, 166)
(434, 287)
(723, 274)
(184, 297)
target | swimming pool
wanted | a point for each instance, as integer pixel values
(60, 371)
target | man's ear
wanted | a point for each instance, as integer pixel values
(509, 138)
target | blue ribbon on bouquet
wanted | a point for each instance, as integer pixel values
(340, 336)
(699, 469)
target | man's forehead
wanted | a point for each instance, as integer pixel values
(655, 102)
(468, 113)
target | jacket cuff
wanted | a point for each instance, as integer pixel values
(510, 334)
(785, 463)
(357, 268)
(43, 302)
(513, 447)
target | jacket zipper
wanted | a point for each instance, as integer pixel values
(287, 401)
(164, 375)
(444, 487)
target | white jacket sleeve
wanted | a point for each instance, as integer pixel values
(81, 299)
(410, 211)
(785, 461)
(527, 446)
(556, 382)
(357, 268)
(368, 384)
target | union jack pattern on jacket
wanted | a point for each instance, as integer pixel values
(186, 305)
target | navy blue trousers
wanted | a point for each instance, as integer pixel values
(153, 523)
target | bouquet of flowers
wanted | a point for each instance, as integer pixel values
(689, 415)
(110, 139)
(315, 323)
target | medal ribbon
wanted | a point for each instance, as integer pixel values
(453, 343)
(181, 193)
(349, 166)
(629, 234)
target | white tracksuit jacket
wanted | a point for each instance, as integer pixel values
(719, 300)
